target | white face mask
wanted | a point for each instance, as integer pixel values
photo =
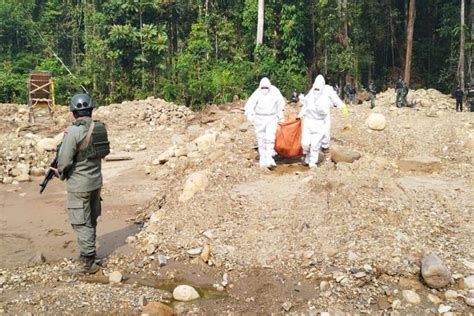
(265, 91)
(317, 94)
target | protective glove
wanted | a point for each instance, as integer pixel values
(345, 110)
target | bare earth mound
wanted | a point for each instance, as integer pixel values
(344, 238)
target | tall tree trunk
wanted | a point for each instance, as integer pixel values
(461, 49)
(410, 27)
(392, 35)
(471, 48)
(261, 20)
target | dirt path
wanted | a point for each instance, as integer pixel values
(38, 223)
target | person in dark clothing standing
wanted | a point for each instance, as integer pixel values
(459, 94)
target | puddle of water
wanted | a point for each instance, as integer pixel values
(290, 168)
(206, 291)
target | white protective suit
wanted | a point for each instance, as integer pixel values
(264, 109)
(316, 113)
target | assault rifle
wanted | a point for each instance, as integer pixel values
(50, 174)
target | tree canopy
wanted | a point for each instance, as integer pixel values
(204, 51)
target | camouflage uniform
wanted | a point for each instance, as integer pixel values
(470, 96)
(402, 91)
(372, 92)
(84, 181)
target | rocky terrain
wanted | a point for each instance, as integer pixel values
(350, 237)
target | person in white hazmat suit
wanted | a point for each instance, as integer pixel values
(264, 109)
(316, 115)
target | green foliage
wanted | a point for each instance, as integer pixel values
(183, 52)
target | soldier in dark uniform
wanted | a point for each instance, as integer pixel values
(401, 88)
(459, 94)
(470, 96)
(79, 164)
(372, 92)
(352, 92)
(294, 96)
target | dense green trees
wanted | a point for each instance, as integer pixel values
(199, 52)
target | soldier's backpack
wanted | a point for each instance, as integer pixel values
(96, 143)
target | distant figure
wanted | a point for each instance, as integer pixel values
(350, 91)
(401, 88)
(294, 97)
(470, 96)
(337, 89)
(459, 94)
(372, 92)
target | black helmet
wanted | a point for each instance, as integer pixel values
(80, 101)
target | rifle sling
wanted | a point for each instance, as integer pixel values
(85, 142)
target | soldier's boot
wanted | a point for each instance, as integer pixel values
(86, 265)
(99, 261)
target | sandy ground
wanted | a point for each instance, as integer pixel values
(34, 223)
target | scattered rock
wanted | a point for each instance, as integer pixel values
(162, 158)
(196, 182)
(185, 293)
(23, 178)
(244, 127)
(7, 180)
(469, 282)
(469, 298)
(208, 234)
(396, 304)
(342, 154)
(130, 239)
(411, 296)
(287, 306)
(37, 172)
(206, 142)
(206, 253)
(434, 299)
(450, 294)
(47, 144)
(150, 249)
(359, 275)
(115, 277)
(162, 260)
(420, 164)
(195, 251)
(435, 273)
(376, 121)
(444, 308)
(158, 309)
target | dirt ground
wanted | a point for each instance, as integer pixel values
(39, 223)
(343, 239)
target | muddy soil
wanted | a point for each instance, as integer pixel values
(33, 223)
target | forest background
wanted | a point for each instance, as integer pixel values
(197, 52)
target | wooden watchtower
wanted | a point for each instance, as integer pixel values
(40, 93)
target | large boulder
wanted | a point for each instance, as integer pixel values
(420, 164)
(206, 142)
(435, 273)
(342, 154)
(46, 144)
(185, 293)
(376, 121)
(194, 183)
